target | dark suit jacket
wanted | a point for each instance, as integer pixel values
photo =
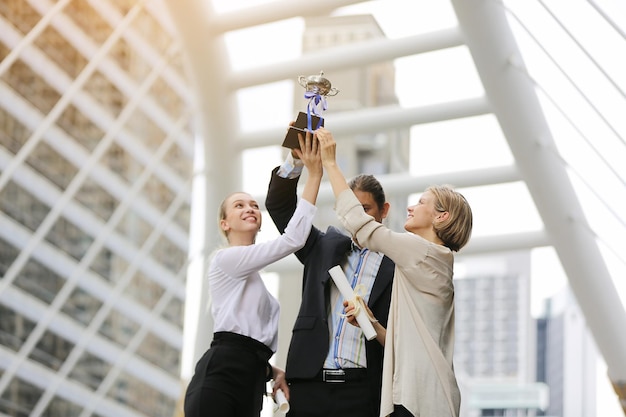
(323, 250)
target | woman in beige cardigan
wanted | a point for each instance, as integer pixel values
(418, 374)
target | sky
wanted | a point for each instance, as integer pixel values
(435, 77)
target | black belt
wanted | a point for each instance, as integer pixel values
(342, 375)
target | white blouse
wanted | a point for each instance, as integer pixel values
(240, 302)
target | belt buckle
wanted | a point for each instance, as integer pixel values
(333, 375)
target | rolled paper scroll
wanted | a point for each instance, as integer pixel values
(341, 281)
(281, 401)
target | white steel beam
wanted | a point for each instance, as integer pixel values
(404, 183)
(89, 223)
(66, 97)
(97, 59)
(42, 24)
(511, 92)
(99, 346)
(142, 47)
(76, 154)
(74, 392)
(278, 10)
(376, 119)
(92, 284)
(216, 159)
(480, 245)
(120, 285)
(347, 56)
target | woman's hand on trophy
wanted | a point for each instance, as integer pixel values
(328, 146)
(309, 153)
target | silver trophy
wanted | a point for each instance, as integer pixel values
(317, 88)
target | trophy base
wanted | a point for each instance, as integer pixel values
(300, 126)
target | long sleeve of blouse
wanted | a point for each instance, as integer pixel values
(240, 302)
(241, 261)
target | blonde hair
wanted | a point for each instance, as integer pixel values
(456, 230)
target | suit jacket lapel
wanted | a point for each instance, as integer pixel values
(383, 278)
(335, 250)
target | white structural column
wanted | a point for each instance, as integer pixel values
(217, 168)
(518, 111)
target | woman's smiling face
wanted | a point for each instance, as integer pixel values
(242, 214)
(421, 215)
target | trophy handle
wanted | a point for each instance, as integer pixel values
(302, 81)
(332, 92)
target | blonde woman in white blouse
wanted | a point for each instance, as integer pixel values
(418, 373)
(230, 378)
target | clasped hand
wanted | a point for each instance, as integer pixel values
(315, 147)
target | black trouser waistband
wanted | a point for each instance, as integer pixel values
(245, 342)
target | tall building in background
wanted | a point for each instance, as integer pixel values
(567, 358)
(495, 338)
(95, 161)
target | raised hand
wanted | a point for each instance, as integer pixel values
(328, 147)
(309, 153)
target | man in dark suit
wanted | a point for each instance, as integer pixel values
(331, 368)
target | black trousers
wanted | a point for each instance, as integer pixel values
(400, 411)
(230, 378)
(312, 398)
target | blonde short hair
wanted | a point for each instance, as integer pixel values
(456, 230)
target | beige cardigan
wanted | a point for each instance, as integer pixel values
(417, 369)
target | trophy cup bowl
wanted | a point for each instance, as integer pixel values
(317, 88)
(317, 84)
